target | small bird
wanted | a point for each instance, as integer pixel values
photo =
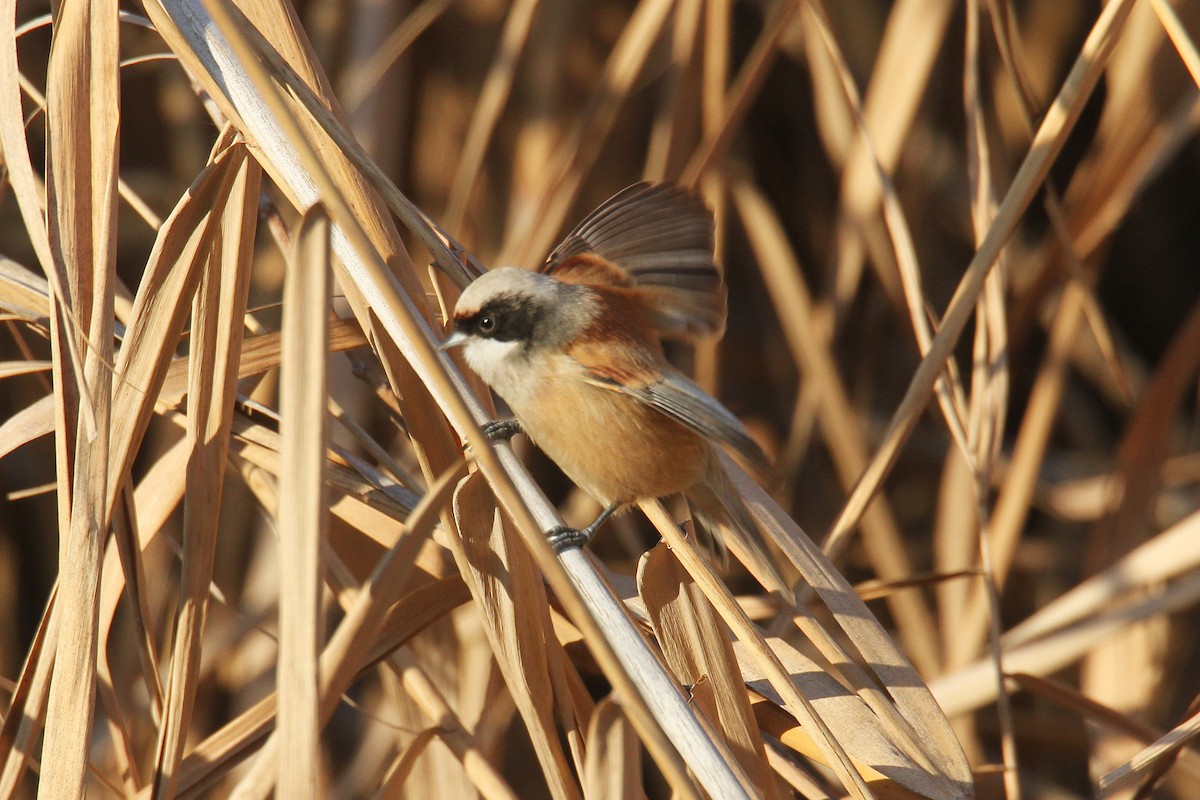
(575, 350)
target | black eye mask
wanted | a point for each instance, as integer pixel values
(508, 318)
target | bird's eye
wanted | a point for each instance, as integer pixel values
(487, 324)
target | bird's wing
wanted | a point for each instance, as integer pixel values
(671, 393)
(684, 401)
(660, 239)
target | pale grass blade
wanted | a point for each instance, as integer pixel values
(81, 167)
(218, 312)
(305, 438)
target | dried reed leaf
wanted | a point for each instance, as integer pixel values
(875, 589)
(420, 701)
(1134, 137)
(416, 611)
(451, 258)
(913, 700)
(298, 153)
(32, 422)
(302, 160)
(962, 690)
(1188, 762)
(125, 752)
(1169, 555)
(1075, 308)
(900, 75)
(507, 587)
(989, 375)
(718, 30)
(394, 470)
(261, 447)
(484, 777)
(786, 766)
(157, 315)
(161, 489)
(697, 647)
(1076, 304)
(883, 768)
(1016, 496)
(213, 758)
(931, 744)
(1179, 37)
(22, 292)
(398, 773)
(362, 79)
(82, 118)
(714, 769)
(766, 660)
(26, 185)
(124, 190)
(715, 55)
(17, 163)
(1125, 670)
(948, 388)
(675, 110)
(955, 541)
(304, 432)
(614, 766)
(9, 369)
(218, 310)
(163, 300)
(124, 570)
(238, 739)
(278, 23)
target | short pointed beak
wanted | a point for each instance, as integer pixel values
(455, 339)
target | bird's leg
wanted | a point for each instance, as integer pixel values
(564, 538)
(502, 429)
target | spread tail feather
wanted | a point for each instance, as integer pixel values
(723, 515)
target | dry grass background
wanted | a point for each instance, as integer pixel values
(238, 553)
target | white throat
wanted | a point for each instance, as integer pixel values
(502, 366)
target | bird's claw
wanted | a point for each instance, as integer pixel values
(563, 538)
(501, 429)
